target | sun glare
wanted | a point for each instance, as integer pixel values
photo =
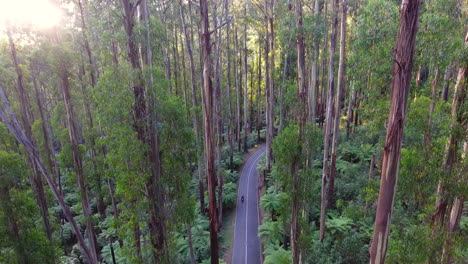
(38, 13)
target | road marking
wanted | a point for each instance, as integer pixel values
(247, 206)
(235, 219)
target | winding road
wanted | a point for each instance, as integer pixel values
(246, 247)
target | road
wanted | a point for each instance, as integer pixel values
(246, 247)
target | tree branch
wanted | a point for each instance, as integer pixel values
(229, 20)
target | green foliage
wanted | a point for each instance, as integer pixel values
(230, 176)
(411, 245)
(287, 147)
(339, 224)
(21, 237)
(229, 195)
(277, 255)
(271, 232)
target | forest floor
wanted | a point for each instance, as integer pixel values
(227, 232)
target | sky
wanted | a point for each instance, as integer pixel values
(39, 13)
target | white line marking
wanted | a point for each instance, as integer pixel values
(247, 206)
(235, 219)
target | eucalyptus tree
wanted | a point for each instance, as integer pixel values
(402, 67)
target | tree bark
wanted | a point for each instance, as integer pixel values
(350, 114)
(190, 242)
(323, 93)
(51, 160)
(329, 122)
(283, 83)
(246, 98)
(195, 116)
(372, 167)
(147, 133)
(27, 119)
(259, 93)
(230, 122)
(78, 164)
(456, 211)
(447, 76)
(269, 91)
(8, 118)
(208, 132)
(428, 133)
(238, 92)
(92, 72)
(402, 67)
(218, 116)
(339, 95)
(89, 136)
(452, 144)
(89, 53)
(301, 116)
(167, 60)
(313, 87)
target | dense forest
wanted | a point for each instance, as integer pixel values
(126, 127)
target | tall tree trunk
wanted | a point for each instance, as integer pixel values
(175, 57)
(147, 134)
(8, 118)
(78, 164)
(428, 133)
(269, 92)
(218, 117)
(452, 144)
(89, 53)
(447, 76)
(230, 123)
(251, 107)
(402, 67)
(51, 160)
(238, 92)
(323, 93)
(190, 242)
(313, 87)
(184, 80)
(27, 118)
(195, 116)
(89, 135)
(454, 217)
(246, 98)
(350, 114)
(329, 122)
(301, 116)
(92, 72)
(167, 60)
(339, 95)
(208, 132)
(272, 72)
(283, 83)
(259, 93)
(372, 167)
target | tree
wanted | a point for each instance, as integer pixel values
(402, 67)
(8, 118)
(339, 97)
(147, 135)
(302, 114)
(64, 74)
(245, 90)
(27, 118)
(458, 126)
(326, 181)
(195, 116)
(208, 132)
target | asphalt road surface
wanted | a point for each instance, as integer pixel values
(246, 248)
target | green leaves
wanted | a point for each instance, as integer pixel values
(340, 224)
